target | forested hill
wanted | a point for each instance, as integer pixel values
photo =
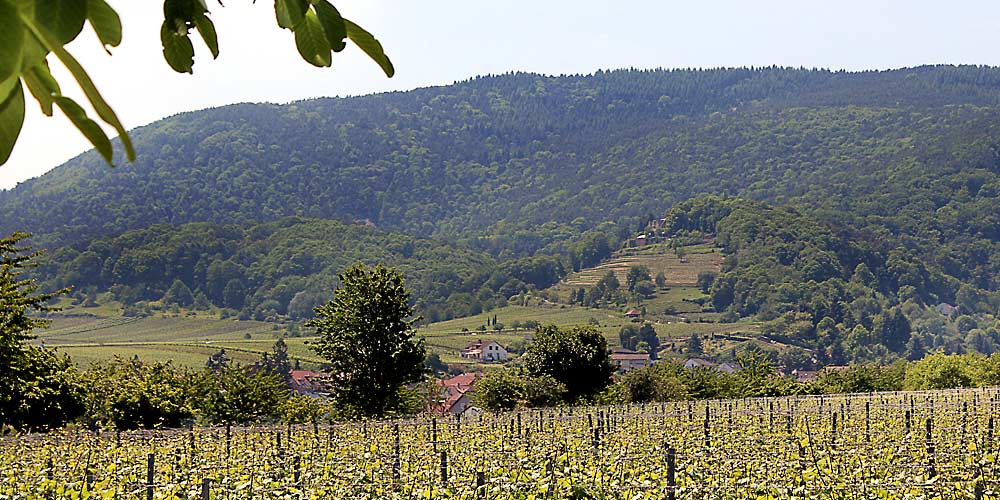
(513, 163)
(495, 186)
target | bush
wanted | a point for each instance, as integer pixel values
(131, 395)
(940, 371)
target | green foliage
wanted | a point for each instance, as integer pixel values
(39, 390)
(499, 390)
(504, 389)
(277, 363)
(660, 382)
(940, 371)
(366, 334)
(284, 268)
(631, 336)
(577, 358)
(635, 275)
(238, 394)
(303, 410)
(38, 387)
(694, 346)
(861, 378)
(34, 29)
(129, 394)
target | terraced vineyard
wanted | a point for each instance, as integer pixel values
(679, 270)
(939, 445)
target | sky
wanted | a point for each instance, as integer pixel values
(437, 42)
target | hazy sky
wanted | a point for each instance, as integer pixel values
(435, 42)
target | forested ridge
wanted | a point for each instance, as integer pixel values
(523, 177)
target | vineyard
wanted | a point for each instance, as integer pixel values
(936, 445)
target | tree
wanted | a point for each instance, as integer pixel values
(34, 29)
(661, 280)
(499, 390)
(694, 345)
(705, 280)
(132, 395)
(236, 394)
(645, 289)
(366, 333)
(179, 294)
(635, 275)
(38, 387)
(218, 361)
(276, 362)
(577, 358)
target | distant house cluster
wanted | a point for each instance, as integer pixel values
(487, 350)
(625, 360)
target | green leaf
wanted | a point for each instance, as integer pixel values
(11, 119)
(311, 41)
(182, 10)
(333, 24)
(90, 129)
(63, 19)
(89, 89)
(11, 42)
(370, 45)
(177, 49)
(7, 86)
(290, 13)
(207, 31)
(43, 86)
(105, 22)
(33, 52)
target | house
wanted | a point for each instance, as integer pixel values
(485, 351)
(456, 404)
(946, 309)
(641, 240)
(307, 383)
(626, 360)
(633, 313)
(459, 383)
(727, 368)
(693, 363)
(456, 394)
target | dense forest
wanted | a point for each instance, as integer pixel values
(852, 295)
(880, 186)
(285, 268)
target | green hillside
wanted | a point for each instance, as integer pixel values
(491, 189)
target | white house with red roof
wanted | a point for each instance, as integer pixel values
(487, 350)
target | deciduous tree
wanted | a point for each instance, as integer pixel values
(577, 358)
(366, 334)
